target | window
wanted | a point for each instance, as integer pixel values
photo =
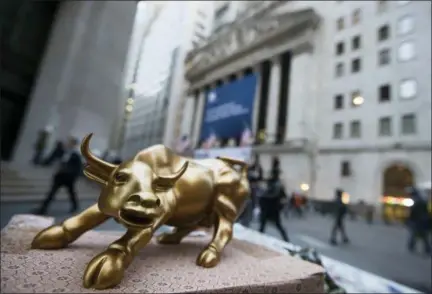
(385, 126)
(337, 131)
(340, 48)
(383, 33)
(356, 43)
(355, 129)
(339, 69)
(384, 93)
(356, 99)
(340, 24)
(355, 65)
(345, 169)
(408, 89)
(338, 101)
(382, 6)
(406, 51)
(356, 16)
(384, 57)
(405, 25)
(409, 124)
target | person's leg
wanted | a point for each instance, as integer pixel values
(263, 219)
(334, 232)
(70, 186)
(55, 186)
(412, 239)
(342, 231)
(423, 235)
(277, 222)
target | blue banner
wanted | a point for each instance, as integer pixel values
(227, 119)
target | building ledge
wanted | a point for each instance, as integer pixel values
(303, 148)
(247, 38)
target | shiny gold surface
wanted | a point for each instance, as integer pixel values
(154, 188)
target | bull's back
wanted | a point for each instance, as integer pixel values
(194, 193)
(229, 182)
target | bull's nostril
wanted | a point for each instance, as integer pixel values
(157, 202)
(135, 198)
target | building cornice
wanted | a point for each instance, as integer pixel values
(289, 148)
(247, 38)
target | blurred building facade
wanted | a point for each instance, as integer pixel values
(160, 82)
(344, 98)
(62, 69)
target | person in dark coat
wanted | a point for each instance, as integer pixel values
(275, 171)
(255, 176)
(418, 222)
(39, 147)
(271, 204)
(66, 176)
(56, 154)
(340, 213)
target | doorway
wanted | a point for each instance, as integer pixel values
(26, 27)
(396, 178)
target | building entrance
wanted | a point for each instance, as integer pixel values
(396, 202)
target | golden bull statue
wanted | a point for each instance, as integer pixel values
(157, 187)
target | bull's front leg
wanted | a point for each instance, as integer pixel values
(223, 232)
(59, 236)
(106, 270)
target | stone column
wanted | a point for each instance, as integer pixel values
(256, 105)
(298, 124)
(188, 117)
(196, 125)
(81, 82)
(273, 99)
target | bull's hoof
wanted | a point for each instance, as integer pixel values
(209, 257)
(53, 237)
(168, 239)
(106, 270)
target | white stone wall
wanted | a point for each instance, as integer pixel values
(313, 86)
(367, 172)
(81, 80)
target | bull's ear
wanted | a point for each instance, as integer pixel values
(95, 175)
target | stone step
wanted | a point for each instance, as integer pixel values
(61, 195)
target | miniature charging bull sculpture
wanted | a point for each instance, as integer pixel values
(154, 188)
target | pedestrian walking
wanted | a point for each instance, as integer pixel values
(340, 213)
(255, 175)
(271, 203)
(39, 147)
(418, 222)
(66, 176)
(56, 154)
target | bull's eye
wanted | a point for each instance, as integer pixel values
(120, 178)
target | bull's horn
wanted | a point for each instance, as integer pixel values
(174, 177)
(105, 167)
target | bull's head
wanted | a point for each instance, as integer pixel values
(132, 192)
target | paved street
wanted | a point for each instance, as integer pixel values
(377, 248)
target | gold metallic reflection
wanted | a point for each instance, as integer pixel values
(154, 188)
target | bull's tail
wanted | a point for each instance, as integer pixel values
(231, 161)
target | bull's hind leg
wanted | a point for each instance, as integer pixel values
(59, 236)
(223, 231)
(175, 236)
